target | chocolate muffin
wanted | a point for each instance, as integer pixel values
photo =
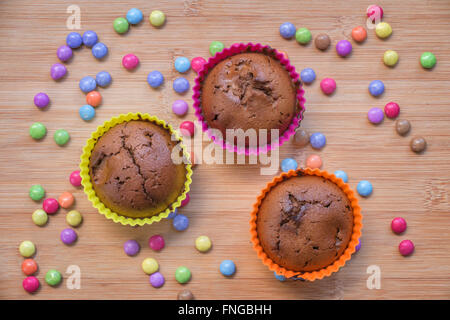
(132, 171)
(305, 223)
(249, 91)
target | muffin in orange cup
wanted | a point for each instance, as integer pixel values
(305, 224)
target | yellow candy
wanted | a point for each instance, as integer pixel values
(390, 58)
(27, 249)
(383, 30)
(39, 217)
(74, 218)
(203, 243)
(150, 265)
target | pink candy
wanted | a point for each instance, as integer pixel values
(197, 64)
(406, 247)
(391, 110)
(398, 225)
(130, 61)
(75, 178)
(156, 242)
(30, 284)
(187, 128)
(328, 86)
(50, 205)
(186, 200)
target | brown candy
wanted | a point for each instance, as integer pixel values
(322, 41)
(418, 144)
(402, 126)
(301, 138)
(185, 295)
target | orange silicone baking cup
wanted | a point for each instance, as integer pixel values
(336, 265)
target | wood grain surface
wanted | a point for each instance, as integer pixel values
(405, 184)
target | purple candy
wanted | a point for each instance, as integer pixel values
(41, 100)
(343, 48)
(131, 247)
(157, 280)
(375, 115)
(64, 53)
(358, 246)
(68, 236)
(180, 107)
(58, 71)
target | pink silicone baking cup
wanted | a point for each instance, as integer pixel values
(241, 48)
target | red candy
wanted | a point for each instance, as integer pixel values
(50, 205)
(186, 200)
(75, 178)
(197, 64)
(406, 247)
(187, 128)
(30, 284)
(398, 225)
(130, 61)
(29, 266)
(391, 110)
(156, 242)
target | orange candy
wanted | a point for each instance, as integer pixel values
(29, 266)
(66, 200)
(313, 161)
(359, 34)
(94, 98)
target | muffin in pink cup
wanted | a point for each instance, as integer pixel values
(249, 98)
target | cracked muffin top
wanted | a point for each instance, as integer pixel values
(132, 171)
(305, 223)
(249, 90)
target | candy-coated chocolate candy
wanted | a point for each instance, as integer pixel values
(27, 248)
(94, 98)
(301, 137)
(406, 247)
(74, 218)
(182, 64)
(341, 174)
(359, 34)
(75, 178)
(317, 140)
(364, 188)
(328, 85)
(418, 144)
(227, 268)
(64, 53)
(398, 225)
(66, 200)
(376, 88)
(287, 30)
(322, 41)
(29, 266)
(156, 242)
(53, 277)
(155, 79)
(103, 79)
(121, 25)
(87, 84)
(180, 222)
(375, 13)
(180, 85)
(157, 280)
(197, 64)
(41, 100)
(50, 205)
(58, 71)
(130, 61)
(180, 107)
(186, 200)
(99, 50)
(216, 46)
(90, 38)
(86, 112)
(307, 75)
(390, 58)
(358, 246)
(68, 236)
(428, 60)
(37, 192)
(187, 128)
(402, 126)
(391, 110)
(303, 36)
(150, 265)
(157, 18)
(30, 284)
(74, 40)
(134, 16)
(182, 274)
(131, 247)
(313, 161)
(203, 243)
(343, 48)
(279, 277)
(38, 131)
(375, 115)
(185, 295)
(383, 30)
(39, 217)
(288, 164)
(61, 137)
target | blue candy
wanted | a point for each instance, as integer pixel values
(227, 268)
(87, 84)
(288, 164)
(364, 188)
(173, 214)
(341, 174)
(103, 78)
(317, 140)
(180, 222)
(74, 40)
(134, 16)
(279, 277)
(87, 112)
(308, 75)
(155, 79)
(180, 85)
(376, 88)
(99, 50)
(182, 64)
(89, 38)
(287, 30)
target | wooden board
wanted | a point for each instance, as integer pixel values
(405, 184)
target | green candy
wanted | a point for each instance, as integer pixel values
(121, 25)
(53, 277)
(428, 60)
(37, 192)
(38, 131)
(39, 217)
(61, 137)
(303, 36)
(216, 46)
(182, 274)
